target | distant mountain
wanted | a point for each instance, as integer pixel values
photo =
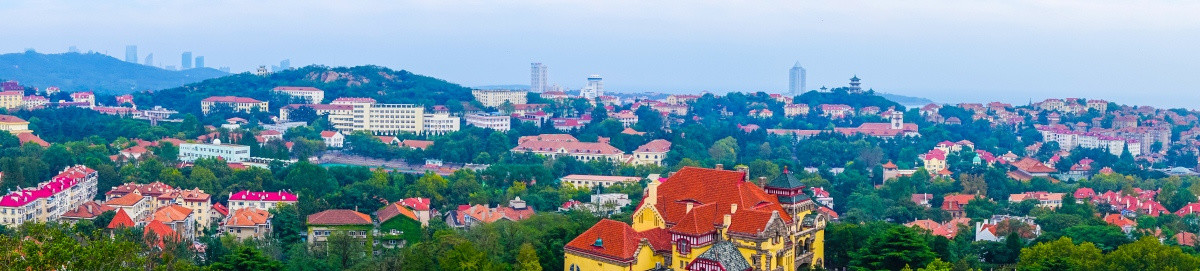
(95, 72)
(380, 83)
(508, 87)
(907, 101)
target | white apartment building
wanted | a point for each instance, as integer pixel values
(380, 119)
(1068, 140)
(496, 122)
(496, 97)
(189, 152)
(309, 94)
(47, 201)
(594, 88)
(441, 123)
(240, 104)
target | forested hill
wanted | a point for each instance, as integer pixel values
(94, 72)
(380, 83)
(840, 96)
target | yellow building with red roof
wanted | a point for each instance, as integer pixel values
(704, 219)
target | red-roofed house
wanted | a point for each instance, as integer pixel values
(935, 160)
(349, 222)
(955, 204)
(248, 223)
(695, 207)
(1120, 221)
(652, 153)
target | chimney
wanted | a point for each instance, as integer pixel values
(689, 208)
(733, 208)
(745, 170)
(762, 181)
(728, 220)
(720, 167)
(652, 193)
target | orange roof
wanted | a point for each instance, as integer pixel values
(120, 220)
(750, 222)
(247, 217)
(698, 221)
(339, 217)
(1119, 220)
(394, 209)
(657, 145)
(171, 213)
(126, 200)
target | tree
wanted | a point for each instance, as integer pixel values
(303, 113)
(724, 151)
(247, 258)
(344, 250)
(527, 259)
(1061, 254)
(892, 250)
(166, 151)
(1148, 254)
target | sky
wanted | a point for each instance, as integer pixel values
(1130, 52)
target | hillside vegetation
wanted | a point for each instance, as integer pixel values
(94, 72)
(380, 83)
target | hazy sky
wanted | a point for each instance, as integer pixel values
(1136, 52)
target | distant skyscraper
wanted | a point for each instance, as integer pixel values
(131, 53)
(796, 77)
(594, 88)
(285, 64)
(538, 78)
(187, 60)
(200, 62)
(149, 60)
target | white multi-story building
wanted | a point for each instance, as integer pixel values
(240, 104)
(1068, 140)
(380, 119)
(594, 88)
(539, 77)
(309, 94)
(496, 97)
(498, 122)
(47, 201)
(441, 123)
(231, 153)
(261, 200)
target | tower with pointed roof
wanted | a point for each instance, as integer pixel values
(855, 85)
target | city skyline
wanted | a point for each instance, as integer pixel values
(946, 51)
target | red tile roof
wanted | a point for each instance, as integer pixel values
(417, 204)
(723, 188)
(121, 220)
(88, 210)
(657, 145)
(31, 138)
(416, 144)
(339, 217)
(617, 241)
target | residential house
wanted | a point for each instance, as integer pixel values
(349, 222)
(398, 226)
(248, 223)
(262, 200)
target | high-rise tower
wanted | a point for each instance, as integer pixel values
(594, 88)
(797, 78)
(131, 53)
(187, 61)
(539, 77)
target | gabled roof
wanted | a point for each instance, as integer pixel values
(339, 217)
(393, 210)
(121, 220)
(126, 200)
(88, 210)
(657, 145)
